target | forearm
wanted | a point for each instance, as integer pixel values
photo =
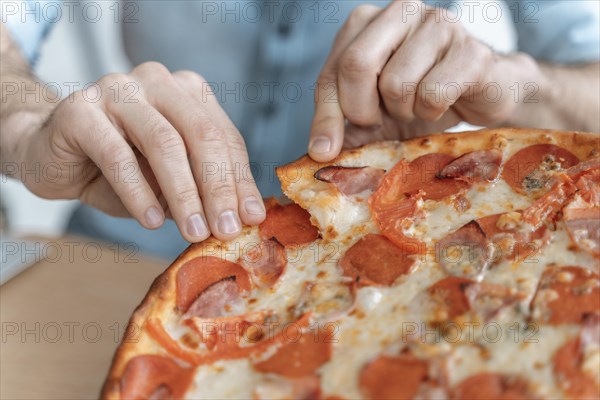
(561, 98)
(23, 107)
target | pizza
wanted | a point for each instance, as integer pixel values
(458, 265)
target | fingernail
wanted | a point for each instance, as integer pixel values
(229, 223)
(196, 226)
(154, 218)
(321, 145)
(253, 206)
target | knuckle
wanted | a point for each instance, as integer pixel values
(136, 193)
(112, 79)
(152, 68)
(222, 189)
(391, 86)
(210, 134)
(356, 62)
(361, 117)
(165, 138)
(236, 143)
(433, 107)
(114, 154)
(190, 77)
(361, 15)
(77, 105)
(187, 194)
(477, 51)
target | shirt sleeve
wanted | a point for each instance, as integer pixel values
(560, 31)
(29, 22)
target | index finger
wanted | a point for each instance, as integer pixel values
(327, 131)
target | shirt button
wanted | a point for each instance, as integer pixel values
(284, 29)
(269, 109)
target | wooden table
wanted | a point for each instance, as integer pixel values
(63, 318)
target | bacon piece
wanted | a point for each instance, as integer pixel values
(565, 295)
(301, 353)
(196, 275)
(393, 377)
(218, 299)
(510, 237)
(588, 185)
(547, 207)
(374, 260)
(488, 300)
(289, 224)
(476, 166)
(583, 225)
(154, 376)
(275, 386)
(351, 180)
(530, 169)
(583, 167)
(570, 362)
(265, 262)
(464, 252)
(453, 297)
(492, 386)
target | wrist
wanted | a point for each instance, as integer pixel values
(19, 131)
(529, 87)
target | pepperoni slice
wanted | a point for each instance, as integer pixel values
(394, 218)
(492, 386)
(374, 260)
(547, 207)
(476, 166)
(157, 332)
(420, 175)
(220, 298)
(265, 262)
(570, 362)
(289, 224)
(227, 333)
(530, 169)
(393, 377)
(301, 353)
(154, 376)
(394, 202)
(351, 180)
(464, 252)
(449, 297)
(196, 275)
(565, 295)
(583, 225)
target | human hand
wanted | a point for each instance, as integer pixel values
(156, 144)
(409, 70)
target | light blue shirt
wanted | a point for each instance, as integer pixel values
(262, 59)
